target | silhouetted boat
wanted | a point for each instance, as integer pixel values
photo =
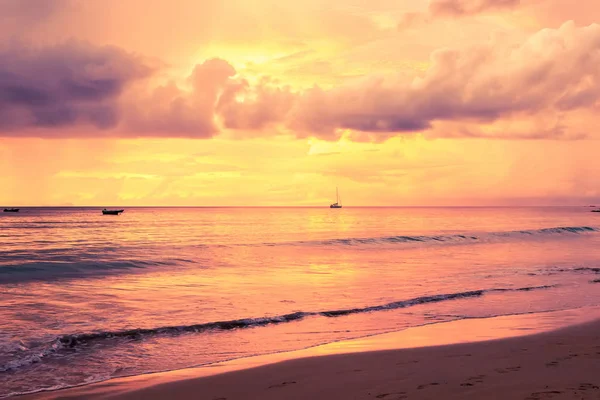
(596, 210)
(112, 212)
(11, 210)
(338, 203)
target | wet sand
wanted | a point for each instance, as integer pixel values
(560, 364)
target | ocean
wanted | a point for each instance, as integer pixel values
(86, 297)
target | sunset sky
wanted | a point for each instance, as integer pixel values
(275, 102)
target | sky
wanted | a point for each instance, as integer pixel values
(277, 103)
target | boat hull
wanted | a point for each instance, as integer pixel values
(11, 210)
(335, 206)
(112, 212)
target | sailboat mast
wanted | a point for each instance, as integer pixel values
(337, 203)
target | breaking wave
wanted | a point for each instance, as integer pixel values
(449, 239)
(51, 269)
(71, 341)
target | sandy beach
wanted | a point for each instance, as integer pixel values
(560, 364)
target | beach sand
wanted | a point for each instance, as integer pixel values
(561, 364)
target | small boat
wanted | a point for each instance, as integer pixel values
(338, 203)
(596, 210)
(111, 212)
(11, 210)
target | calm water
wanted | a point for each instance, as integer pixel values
(86, 297)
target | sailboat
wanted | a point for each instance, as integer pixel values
(338, 203)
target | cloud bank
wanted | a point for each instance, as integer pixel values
(550, 76)
(554, 71)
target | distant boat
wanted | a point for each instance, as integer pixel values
(596, 210)
(11, 210)
(112, 212)
(338, 203)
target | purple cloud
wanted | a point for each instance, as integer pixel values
(64, 85)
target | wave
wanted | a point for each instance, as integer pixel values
(556, 271)
(76, 339)
(75, 267)
(18, 265)
(448, 239)
(585, 269)
(71, 341)
(50, 270)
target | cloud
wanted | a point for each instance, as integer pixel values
(214, 99)
(69, 84)
(44, 91)
(468, 7)
(553, 72)
(170, 110)
(541, 89)
(246, 106)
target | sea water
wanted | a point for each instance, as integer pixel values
(86, 297)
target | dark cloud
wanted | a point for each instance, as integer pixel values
(64, 85)
(75, 84)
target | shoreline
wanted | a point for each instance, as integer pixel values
(476, 335)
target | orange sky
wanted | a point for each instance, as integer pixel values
(264, 102)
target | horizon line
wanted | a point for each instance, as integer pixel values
(296, 206)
